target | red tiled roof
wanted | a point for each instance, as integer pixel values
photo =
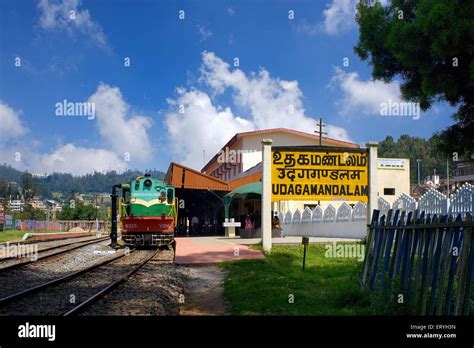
(185, 177)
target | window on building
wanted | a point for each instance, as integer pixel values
(389, 191)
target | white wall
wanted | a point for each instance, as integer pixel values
(393, 177)
(342, 222)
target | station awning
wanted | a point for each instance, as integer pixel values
(246, 191)
(184, 177)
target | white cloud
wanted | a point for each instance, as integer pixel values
(76, 160)
(57, 15)
(335, 132)
(122, 133)
(309, 28)
(339, 16)
(230, 11)
(271, 103)
(204, 32)
(11, 125)
(363, 96)
(119, 132)
(202, 126)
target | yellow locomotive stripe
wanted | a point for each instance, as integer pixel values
(145, 203)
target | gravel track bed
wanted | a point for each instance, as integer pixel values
(30, 253)
(156, 289)
(43, 244)
(57, 299)
(33, 274)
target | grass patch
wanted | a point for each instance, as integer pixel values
(8, 235)
(328, 286)
(11, 235)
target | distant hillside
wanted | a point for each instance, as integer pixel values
(66, 184)
(10, 174)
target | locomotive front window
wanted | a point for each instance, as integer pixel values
(169, 196)
(126, 196)
(147, 183)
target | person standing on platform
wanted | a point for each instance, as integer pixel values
(195, 224)
(248, 226)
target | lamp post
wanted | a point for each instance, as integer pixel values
(447, 174)
(418, 163)
(96, 214)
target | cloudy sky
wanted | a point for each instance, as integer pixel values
(170, 79)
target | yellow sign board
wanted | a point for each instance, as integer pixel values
(319, 174)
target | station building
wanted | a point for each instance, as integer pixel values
(393, 176)
(228, 185)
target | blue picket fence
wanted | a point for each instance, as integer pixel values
(428, 258)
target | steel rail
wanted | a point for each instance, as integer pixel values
(19, 264)
(83, 305)
(39, 241)
(29, 291)
(50, 248)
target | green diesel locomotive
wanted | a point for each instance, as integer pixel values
(147, 210)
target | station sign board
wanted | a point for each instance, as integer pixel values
(319, 173)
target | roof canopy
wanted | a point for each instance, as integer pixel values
(184, 177)
(244, 191)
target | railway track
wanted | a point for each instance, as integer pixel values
(43, 254)
(89, 284)
(39, 241)
(94, 298)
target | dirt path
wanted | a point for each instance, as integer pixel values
(204, 288)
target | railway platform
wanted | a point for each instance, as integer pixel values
(209, 250)
(30, 236)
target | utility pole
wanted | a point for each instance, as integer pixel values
(418, 163)
(96, 214)
(320, 131)
(447, 174)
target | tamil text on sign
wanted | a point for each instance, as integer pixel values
(329, 174)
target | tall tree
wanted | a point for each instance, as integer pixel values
(429, 44)
(79, 212)
(28, 188)
(4, 188)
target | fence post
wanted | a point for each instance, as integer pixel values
(373, 194)
(368, 247)
(445, 206)
(266, 195)
(470, 269)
